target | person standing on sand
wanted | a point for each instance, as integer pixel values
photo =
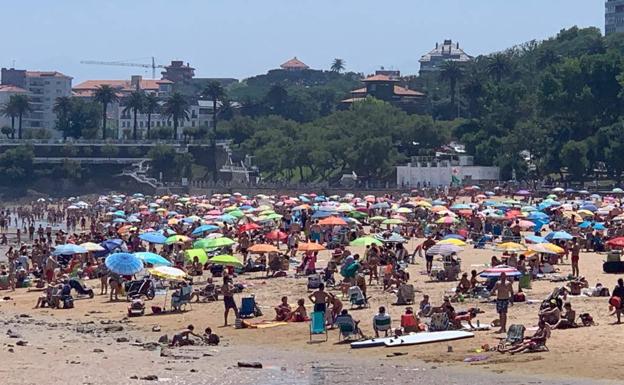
(576, 251)
(618, 292)
(320, 298)
(228, 298)
(504, 294)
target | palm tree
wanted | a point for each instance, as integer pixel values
(134, 104)
(150, 106)
(338, 65)
(452, 72)
(105, 95)
(22, 106)
(62, 109)
(499, 66)
(276, 98)
(8, 110)
(215, 92)
(176, 107)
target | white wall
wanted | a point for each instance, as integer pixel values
(409, 176)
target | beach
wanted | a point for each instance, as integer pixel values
(581, 355)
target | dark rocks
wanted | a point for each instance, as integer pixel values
(24, 315)
(122, 339)
(151, 346)
(21, 343)
(113, 328)
(164, 339)
(151, 377)
(10, 350)
(253, 365)
(11, 334)
(98, 350)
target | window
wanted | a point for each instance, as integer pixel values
(141, 124)
(193, 123)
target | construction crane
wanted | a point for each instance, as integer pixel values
(153, 66)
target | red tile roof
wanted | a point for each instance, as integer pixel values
(122, 85)
(45, 74)
(294, 63)
(404, 91)
(9, 88)
(379, 78)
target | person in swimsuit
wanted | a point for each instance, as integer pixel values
(228, 298)
(504, 294)
(320, 298)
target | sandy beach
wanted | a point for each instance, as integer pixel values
(583, 355)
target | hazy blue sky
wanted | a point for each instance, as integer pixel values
(239, 38)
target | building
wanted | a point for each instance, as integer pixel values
(614, 16)
(43, 88)
(386, 88)
(294, 64)
(178, 72)
(441, 171)
(161, 87)
(5, 94)
(442, 53)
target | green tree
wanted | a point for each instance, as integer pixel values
(338, 65)
(452, 73)
(9, 110)
(21, 105)
(499, 66)
(135, 102)
(105, 95)
(7, 130)
(215, 92)
(109, 151)
(63, 110)
(574, 157)
(176, 108)
(150, 107)
(17, 166)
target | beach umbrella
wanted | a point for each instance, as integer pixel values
(510, 247)
(276, 235)
(69, 249)
(558, 190)
(537, 215)
(152, 258)
(617, 190)
(589, 207)
(443, 250)
(557, 235)
(211, 243)
(452, 241)
(495, 272)
(403, 210)
(90, 246)
(226, 260)
(357, 214)
(310, 246)
(176, 238)
(153, 237)
(332, 221)
(535, 239)
(392, 238)
(438, 202)
(461, 206)
(599, 226)
(190, 254)
(585, 213)
(263, 248)
(381, 205)
(377, 218)
(447, 220)
(392, 221)
(616, 242)
(124, 263)
(366, 241)
(524, 224)
(546, 248)
(167, 273)
(322, 214)
(455, 236)
(112, 244)
(204, 229)
(248, 227)
(523, 192)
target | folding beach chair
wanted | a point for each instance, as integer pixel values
(346, 328)
(248, 307)
(515, 335)
(317, 324)
(356, 297)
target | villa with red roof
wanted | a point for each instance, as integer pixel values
(294, 64)
(386, 88)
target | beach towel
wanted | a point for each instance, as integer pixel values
(262, 324)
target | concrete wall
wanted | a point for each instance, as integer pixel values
(409, 176)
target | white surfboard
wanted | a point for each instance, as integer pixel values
(479, 328)
(428, 337)
(371, 343)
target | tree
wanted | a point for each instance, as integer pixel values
(109, 151)
(84, 119)
(499, 66)
(338, 65)
(7, 130)
(21, 105)
(176, 108)
(63, 110)
(9, 110)
(135, 102)
(452, 73)
(574, 157)
(276, 99)
(16, 166)
(105, 95)
(215, 92)
(151, 106)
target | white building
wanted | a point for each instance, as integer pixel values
(614, 16)
(5, 94)
(43, 88)
(442, 53)
(440, 172)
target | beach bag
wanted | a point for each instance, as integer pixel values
(616, 302)
(519, 297)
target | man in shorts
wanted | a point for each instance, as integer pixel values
(320, 298)
(228, 298)
(504, 294)
(576, 251)
(426, 245)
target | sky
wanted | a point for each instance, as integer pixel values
(242, 38)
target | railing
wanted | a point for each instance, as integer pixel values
(97, 142)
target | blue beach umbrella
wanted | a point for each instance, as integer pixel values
(204, 229)
(152, 258)
(111, 244)
(69, 249)
(559, 235)
(124, 263)
(153, 237)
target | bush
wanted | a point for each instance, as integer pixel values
(134, 152)
(161, 133)
(7, 130)
(109, 151)
(69, 150)
(37, 133)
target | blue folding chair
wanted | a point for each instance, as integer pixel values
(248, 307)
(317, 324)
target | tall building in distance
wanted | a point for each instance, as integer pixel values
(447, 51)
(614, 16)
(42, 89)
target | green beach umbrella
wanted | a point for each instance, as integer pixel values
(199, 253)
(365, 241)
(211, 243)
(226, 260)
